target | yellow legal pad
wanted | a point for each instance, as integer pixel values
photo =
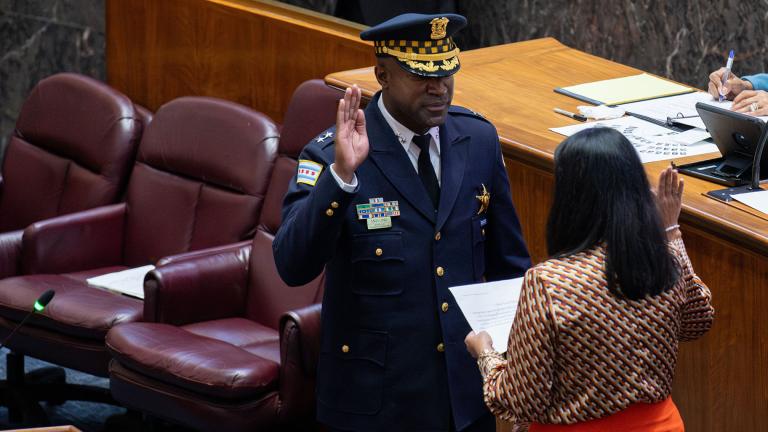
(624, 90)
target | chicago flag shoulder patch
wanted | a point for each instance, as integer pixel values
(309, 172)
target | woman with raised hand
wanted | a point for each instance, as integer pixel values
(595, 338)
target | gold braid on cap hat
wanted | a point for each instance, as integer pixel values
(416, 50)
(447, 65)
(416, 56)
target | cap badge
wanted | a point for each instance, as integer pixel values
(439, 26)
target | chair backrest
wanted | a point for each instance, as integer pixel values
(199, 179)
(312, 109)
(72, 150)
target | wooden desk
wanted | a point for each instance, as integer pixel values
(722, 379)
(48, 429)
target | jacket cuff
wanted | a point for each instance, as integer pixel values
(346, 187)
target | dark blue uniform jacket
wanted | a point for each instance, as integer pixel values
(392, 353)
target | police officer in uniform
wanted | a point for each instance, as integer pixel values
(398, 203)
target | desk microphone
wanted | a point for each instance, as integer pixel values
(38, 307)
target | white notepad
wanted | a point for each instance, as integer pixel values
(626, 89)
(129, 282)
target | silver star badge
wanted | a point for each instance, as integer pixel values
(324, 137)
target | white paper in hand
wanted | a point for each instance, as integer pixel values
(491, 307)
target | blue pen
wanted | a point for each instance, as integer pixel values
(727, 72)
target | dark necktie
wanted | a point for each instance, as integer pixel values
(426, 170)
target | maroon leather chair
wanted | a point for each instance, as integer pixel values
(72, 150)
(199, 180)
(231, 346)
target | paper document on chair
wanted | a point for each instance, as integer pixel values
(129, 282)
(491, 307)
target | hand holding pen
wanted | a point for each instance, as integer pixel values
(728, 65)
(725, 85)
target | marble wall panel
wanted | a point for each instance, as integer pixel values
(683, 40)
(41, 37)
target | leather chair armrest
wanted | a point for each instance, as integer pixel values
(76, 241)
(198, 288)
(203, 252)
(299, 351)
(10, 253)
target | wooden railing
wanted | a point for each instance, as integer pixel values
(255, 52)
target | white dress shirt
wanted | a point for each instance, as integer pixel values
(405, 137)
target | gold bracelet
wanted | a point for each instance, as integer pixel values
(486, 353)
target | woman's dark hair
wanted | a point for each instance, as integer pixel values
(602, 195)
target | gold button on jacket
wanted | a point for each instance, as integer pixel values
(335, 204)
(379, 251)
(329, 212)
(444, 307)
(440, 271)
(345, 348)
(441, 347)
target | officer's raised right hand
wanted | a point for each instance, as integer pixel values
(351, 136)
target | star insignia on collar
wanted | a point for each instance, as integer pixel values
(476, 113)
(484, 198)
(325, 136)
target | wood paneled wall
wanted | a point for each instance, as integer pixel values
(254, 52)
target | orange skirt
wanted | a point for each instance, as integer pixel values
(640, 417)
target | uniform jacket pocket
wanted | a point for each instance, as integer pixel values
(376, 258)
(351, 372)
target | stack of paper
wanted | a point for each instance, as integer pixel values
(652, 142)
(490, 307)
(624, 90)
(129, 282)
(681, 109)
(756, 200)
(672, 107)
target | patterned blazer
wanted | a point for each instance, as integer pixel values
(577, 352)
